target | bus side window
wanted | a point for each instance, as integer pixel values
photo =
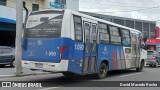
(115, 35)
(126, 39)
(138, 43)
(87, 32)
(103, 33)
(94, 34)
(78, 28)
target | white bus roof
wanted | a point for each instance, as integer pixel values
(101, 20)
(93, 18)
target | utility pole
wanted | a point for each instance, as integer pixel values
(19, 28)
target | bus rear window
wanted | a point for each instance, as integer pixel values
(44, 25)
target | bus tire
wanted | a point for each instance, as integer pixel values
(140, 68)
(103, 69)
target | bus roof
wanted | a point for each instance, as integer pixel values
(101, 20)
(93, 18)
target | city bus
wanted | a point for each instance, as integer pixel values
(73, 43)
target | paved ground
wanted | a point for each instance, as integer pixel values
(8, 71)
(149, 74)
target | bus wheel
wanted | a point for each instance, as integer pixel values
(102, 71)
(140, 69)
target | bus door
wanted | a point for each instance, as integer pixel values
(90, 53)
(134, 50)
(137, 49)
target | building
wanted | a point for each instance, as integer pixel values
(8, 18)
(8, 7)
(8, 15)
(65, 4)
(148, 28)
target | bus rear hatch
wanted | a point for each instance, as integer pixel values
(41, 37)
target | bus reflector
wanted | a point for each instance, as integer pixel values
(80, 61)
(26, 63)
(71, 60)
(62, 49)
(52, 65)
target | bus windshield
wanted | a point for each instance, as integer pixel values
(44, 25)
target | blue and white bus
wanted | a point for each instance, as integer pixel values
(74, 43)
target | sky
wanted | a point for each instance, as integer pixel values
(137, 9)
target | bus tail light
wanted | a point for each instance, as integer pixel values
(26, 63)
(154, 57)
(52, 65)
(62, 49)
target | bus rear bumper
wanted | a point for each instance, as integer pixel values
(46, 66)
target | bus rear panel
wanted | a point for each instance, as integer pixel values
(42, 47)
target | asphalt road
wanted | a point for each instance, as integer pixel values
(149, 74)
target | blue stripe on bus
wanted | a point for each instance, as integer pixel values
(75, 65)
(74, 53)
(46, 50)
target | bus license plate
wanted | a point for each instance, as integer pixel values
(39, 65)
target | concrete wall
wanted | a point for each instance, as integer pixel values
(70, 4)
(147, 27)
(42, 3)
(8, 12)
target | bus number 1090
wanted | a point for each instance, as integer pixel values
(79, 46)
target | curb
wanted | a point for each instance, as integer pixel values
(10, 75)
(29, 74)
(21, 75)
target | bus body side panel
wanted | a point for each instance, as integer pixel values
(117, 50)
(120, 57)
(76, 64)
(105, 53)
(123, 58)
(114, 54)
